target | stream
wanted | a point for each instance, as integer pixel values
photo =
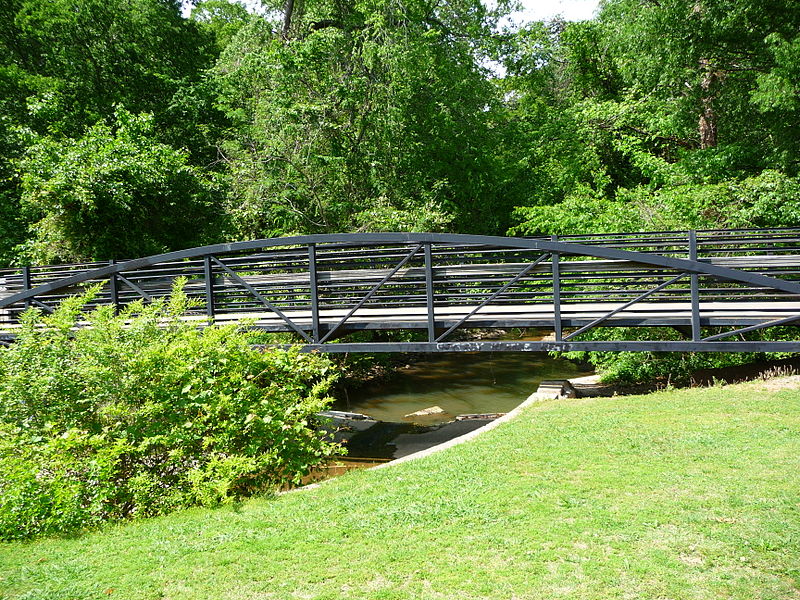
(452, 385)
(459, 383)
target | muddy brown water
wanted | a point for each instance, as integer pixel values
(459, 383)
(477, 383)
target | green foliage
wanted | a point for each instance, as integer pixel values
(778, 89)
(553, 148)
(142, 413)
(770, 199)
(575, 215)
(367, 116)
(76, 59)
(702, 59)
(675, 367)
(223, 19)
(66, 65)
(113, 193)
(12, 228)
(680, 111)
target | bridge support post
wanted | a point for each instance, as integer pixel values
(429, 292)
(208, 273)
(313, 291)
(26, 283)
(694, 289)
(557, 329)
(113, 288)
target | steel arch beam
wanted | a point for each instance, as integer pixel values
(563, 248)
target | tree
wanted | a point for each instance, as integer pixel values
(562, 150)
(222, 18)
(658, 100)
(703, 59)
(12, 230)
(93, 54)
(362, 115)
(71, 61)
(113, 193)
(64, 67)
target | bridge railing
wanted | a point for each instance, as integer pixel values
(321, 287)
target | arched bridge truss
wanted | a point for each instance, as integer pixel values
(717, 288)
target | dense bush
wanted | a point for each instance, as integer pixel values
(143, 413)
(115, 192)
(672, 367)
(769, 199)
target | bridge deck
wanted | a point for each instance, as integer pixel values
(529, 315)
(644, 314)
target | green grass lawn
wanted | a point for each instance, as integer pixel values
(675, 495)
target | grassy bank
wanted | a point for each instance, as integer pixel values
(681, 494)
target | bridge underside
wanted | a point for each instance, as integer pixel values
(552, 346)
(721, 290)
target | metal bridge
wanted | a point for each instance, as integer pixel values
(720, 289)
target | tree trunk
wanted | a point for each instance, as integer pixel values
(708, 118)
(288, 9)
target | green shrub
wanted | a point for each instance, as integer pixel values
(769, 199)
(675, 367)
(143, 413)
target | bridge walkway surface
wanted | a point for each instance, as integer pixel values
(720, 289)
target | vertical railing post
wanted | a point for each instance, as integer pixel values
(695, 289)
(26, 283)
(557, 330)
(429, 300)
(314, 291)
(208, 273)
(113, 287)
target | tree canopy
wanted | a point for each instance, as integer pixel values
(322, 116)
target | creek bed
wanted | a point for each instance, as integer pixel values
(458, 383)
